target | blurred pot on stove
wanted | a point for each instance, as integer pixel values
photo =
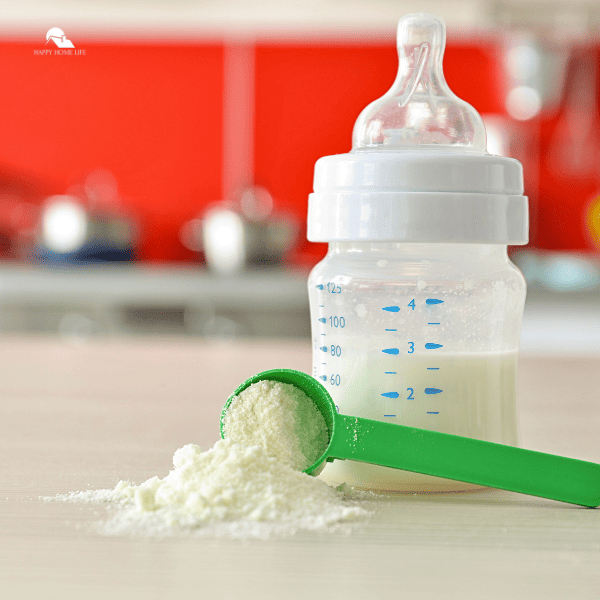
(245, 233)
(88, 224)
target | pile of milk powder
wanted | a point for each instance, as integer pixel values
(247, 485)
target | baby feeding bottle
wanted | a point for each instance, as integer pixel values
(416, 309)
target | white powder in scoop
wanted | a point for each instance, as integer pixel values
(238, 490)
(280, 418)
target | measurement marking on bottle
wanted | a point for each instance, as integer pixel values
(323, 377)
(389, 415)
(391, 351)
(390, 394)
(322, 320)
(337, 322)
(433, 301)
(323, 348)
(390, 372)
(433, 391)
(432, 346)
(433, 368)
(427, 323)
(391, 308)
(323, 363)
(391, 330)
(433, 413)
(320, 286)
(323, 334)
(321, 306)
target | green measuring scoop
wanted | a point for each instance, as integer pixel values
(440, 454)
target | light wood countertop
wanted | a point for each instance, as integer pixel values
(77, 417)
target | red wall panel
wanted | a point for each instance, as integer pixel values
(569, 161)
(151, 114)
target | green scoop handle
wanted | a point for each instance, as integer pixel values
(442, 454)
(466, 459)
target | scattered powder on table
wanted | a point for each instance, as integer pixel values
(282, 419)
(237, 489)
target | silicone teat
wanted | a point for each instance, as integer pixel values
(420, 110)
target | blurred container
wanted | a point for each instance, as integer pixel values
(560, 271)
(246, 233)
(86, 225)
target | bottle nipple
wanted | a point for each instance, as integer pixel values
(420, 111)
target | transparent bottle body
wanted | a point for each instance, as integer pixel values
(424, 335)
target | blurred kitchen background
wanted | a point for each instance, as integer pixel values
(155, 181)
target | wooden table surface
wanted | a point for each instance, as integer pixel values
(77, 417)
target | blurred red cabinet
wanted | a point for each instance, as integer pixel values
(152, 114)
(149, 113)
